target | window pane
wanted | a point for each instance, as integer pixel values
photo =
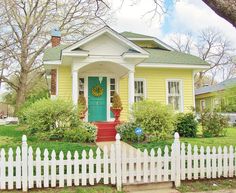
(112, 81)
(113, 87)
(174, 101)
(81, 86)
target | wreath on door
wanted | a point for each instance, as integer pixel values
(97, 91)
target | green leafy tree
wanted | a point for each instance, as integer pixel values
(228, 100)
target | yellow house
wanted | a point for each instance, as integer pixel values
(136, 66)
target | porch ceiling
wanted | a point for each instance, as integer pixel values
(103, 68)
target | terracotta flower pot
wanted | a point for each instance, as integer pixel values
(116, 113)
(83, 114)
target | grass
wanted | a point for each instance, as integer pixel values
(10, 136)
(207, 185)
(227, 140)
(94, 189)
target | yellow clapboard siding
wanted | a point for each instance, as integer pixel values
(123, 92)
(64, 82)
(156, 86)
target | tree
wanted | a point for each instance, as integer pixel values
(26, 28)
(228, 99)
(212, 47)
(224, 8)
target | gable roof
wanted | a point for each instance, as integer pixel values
(218, 87)
(134, 35)
(172, 57)
(102, 31)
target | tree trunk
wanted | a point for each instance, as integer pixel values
(21, 91)
(224, 8)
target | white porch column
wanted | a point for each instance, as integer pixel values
(131, 88)
(75, 87)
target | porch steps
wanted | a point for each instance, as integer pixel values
(106, 131)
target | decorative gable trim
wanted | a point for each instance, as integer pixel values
(100, 32)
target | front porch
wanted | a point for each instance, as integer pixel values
(98, 82)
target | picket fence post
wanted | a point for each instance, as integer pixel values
(24, 156)
(118, 163)
(177, 160)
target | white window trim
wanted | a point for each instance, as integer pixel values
(144, 84)
(202, 100)
(181, 92)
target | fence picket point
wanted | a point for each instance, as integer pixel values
(84, 168)
(145, 166)
(231, 161)
(46, 169)
(214, 162)
(159, 165)
(61, 170)
(220, 162)
(18, 168)
(3, 169)
(68, 169)
(76, 168)
(225, 162)
(124, 164)
(98, 165)
(166, 163)
(118, 163)
(195, 162)
(183, 162)
(105, 164)
(38, 168)
(10, 169)
(189, 161)
(113, 164)
(152, 166)
(53, 169)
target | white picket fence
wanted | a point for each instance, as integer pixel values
(117, 165)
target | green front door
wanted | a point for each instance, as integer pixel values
(97, 99)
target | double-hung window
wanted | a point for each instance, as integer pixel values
(139, 90)
(174, 94)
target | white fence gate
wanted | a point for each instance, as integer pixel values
(27, 169)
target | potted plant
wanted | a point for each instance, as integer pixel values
(116, 107)
(82, 106)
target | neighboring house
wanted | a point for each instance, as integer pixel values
(136, 66)
(208, 97)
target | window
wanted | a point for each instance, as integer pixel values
(81, 86)
(112, 88)
(174, 94)
(139, 90)
(202, 104)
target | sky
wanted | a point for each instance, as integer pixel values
(183, 16)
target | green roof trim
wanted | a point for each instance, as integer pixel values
(172, 57)
(134, 35)
(53, 53)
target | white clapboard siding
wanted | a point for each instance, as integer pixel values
(116, 164)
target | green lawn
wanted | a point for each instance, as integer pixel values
(10, 136)
(94, 189)
(207, 185)
(229, 139)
